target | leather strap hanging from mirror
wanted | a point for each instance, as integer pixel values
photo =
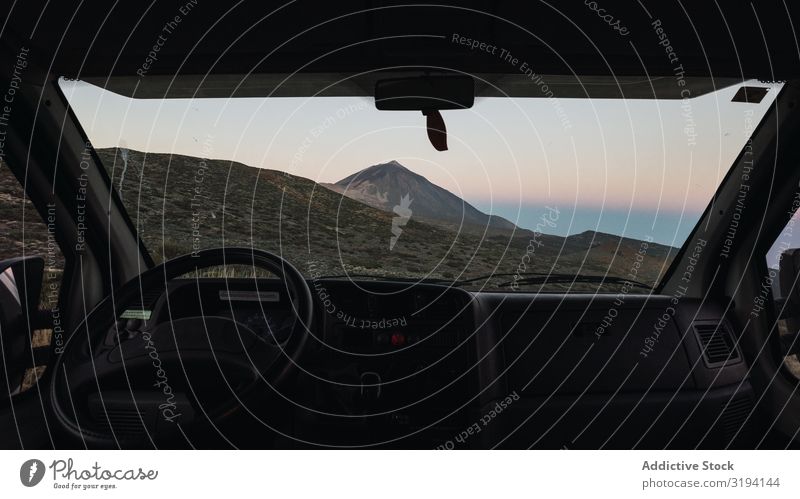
(437, 132)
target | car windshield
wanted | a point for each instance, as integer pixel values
(533, 193)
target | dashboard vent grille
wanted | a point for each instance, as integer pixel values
(112, 414)
(123, 423)
(717, 343)
(736, 418)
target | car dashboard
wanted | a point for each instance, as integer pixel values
(418, 365)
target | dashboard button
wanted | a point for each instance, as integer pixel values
(398, 339)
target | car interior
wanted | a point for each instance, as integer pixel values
(463, 225)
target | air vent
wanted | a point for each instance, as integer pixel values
(717, 344)
(135, 416)
(120, 418)
(122, 422)
(735, 422)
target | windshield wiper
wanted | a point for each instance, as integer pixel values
(530, 278)
(429, 280)
(486, 277)
(579, 278)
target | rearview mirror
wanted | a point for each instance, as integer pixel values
(425, 93)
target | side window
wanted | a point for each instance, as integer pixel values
(783, 262)
(24, 232)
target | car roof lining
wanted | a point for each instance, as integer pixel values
(363, 84)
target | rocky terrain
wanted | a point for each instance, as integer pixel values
(180, 203)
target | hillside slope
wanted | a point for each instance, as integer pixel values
(181, 202)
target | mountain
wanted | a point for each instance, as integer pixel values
(389, 185)
(179, 203)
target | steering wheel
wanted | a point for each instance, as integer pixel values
(125, 376)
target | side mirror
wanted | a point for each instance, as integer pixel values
(20, 287)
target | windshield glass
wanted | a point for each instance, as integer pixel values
(548, 194)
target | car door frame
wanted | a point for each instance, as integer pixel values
(51, 156)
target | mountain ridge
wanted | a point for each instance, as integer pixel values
(384, 185)
(324, 233)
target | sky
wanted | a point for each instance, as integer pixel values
(640, 168)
